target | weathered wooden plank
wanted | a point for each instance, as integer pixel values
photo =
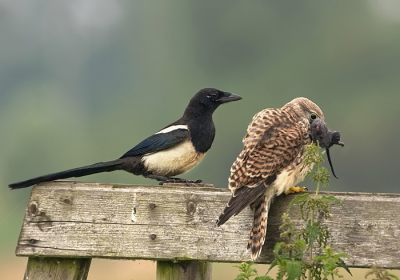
(184, 270)
(57, 268)
(68, 219)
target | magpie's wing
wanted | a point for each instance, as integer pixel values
(162, 140)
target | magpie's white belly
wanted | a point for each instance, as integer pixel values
(173, 161)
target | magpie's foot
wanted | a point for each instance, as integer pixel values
(174, 180)
(181, 181)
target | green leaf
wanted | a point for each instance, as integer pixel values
(277, 248)
(301, 245)
(313, 231)
(393, 276)
(380, 273)
(297, 199)
(273, 264)
(246, 271)
(293, 269)
(333, 199)
(342, 264)
(263, 278)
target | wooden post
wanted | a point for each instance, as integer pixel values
(67, 223)
(184, 270)
(57, 268)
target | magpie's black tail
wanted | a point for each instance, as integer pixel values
(76, 172)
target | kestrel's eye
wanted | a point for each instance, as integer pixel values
(313, 116)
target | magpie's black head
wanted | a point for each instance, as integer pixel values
(208, 99)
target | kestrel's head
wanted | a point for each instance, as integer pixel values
(305, 108)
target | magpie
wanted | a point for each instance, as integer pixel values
(171, 151)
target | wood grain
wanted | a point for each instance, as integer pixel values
(57, 268)
(72, 219)
(184, 270)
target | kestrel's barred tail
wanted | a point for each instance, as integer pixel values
(259, 229)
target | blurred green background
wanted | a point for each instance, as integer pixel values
(83, 81)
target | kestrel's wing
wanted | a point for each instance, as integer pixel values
(274, 139)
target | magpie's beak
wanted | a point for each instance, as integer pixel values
(229, 97)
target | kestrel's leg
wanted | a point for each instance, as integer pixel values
(295, 189)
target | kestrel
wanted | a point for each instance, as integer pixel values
(271, 162)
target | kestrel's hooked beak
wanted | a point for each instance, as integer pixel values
(326, 139)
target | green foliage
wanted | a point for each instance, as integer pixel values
(320, 174)
(306, 251)
(380, 274)
(247, 271)
(294, 256)
(327, 264)
(290, 254)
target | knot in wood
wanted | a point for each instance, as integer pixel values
(191, 207)
(67, 201)
(33, 209)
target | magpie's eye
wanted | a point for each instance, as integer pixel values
(213, 96)
(313, 116)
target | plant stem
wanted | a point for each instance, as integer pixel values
(312, 219)
(311, 247)
(317, 190)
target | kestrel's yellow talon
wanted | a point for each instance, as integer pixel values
(295, 189)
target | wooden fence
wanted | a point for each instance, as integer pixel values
(67, 224)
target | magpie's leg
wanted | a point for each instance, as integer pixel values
(164, 179)
(181, 181)
(157, 177)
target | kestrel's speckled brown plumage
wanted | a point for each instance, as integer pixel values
(272, 161)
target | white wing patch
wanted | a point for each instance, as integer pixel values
(172, 128)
